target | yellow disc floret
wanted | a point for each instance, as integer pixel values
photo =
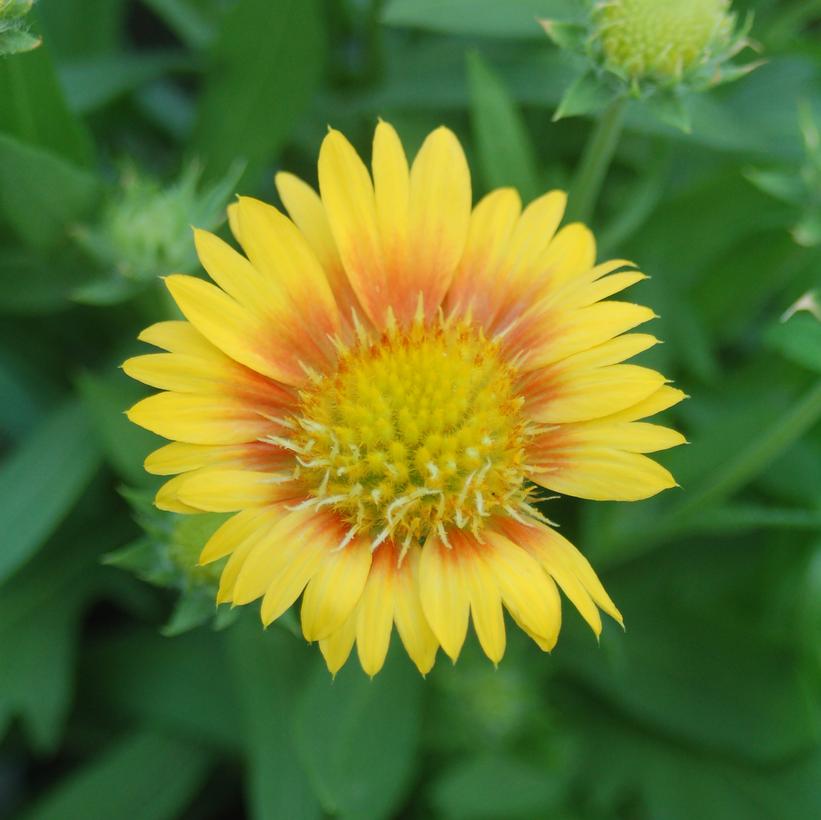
(419, 431)
(661, 39)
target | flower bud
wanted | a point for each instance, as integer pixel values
(662, 40)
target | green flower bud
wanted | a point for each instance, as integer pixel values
(144, 230)
(656, 50)
(662, 40)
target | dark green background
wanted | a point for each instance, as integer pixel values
(707, 707)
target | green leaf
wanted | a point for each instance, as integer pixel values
(144, 776)
(34, 109)
(503, 144)
(697, 678)
(93, 82)
(587, 95)
(514, 18)
(358, 738)
(677, 782)
(41, 480)
(193, 20)
(47, 285)
(77, 28)
(739, 518)
(494, 786)
(785, 185)
(268, 62)
(40, 610)
(125, 444)
(268, 671)
(195, 606)
(23, 395)
(180, 684)
(799, 340)
(109, 291)
(29, 178)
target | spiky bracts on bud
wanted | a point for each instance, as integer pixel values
(15, 35)
(656, 50)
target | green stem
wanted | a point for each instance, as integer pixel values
(596, 160)
(631, 545)
(752, 461)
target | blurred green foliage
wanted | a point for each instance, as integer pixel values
(709, 706)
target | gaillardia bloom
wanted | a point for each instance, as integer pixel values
(380, 385)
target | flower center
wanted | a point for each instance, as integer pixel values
(417, 432)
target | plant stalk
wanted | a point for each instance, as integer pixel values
(595, 161)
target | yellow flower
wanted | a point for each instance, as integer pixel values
(379, 386)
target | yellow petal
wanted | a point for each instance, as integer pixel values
(527, 592)
(440, 200)
(374, 619)
(233, 272)
(235, 565)
(634, 437)
(601, 289)
(419, 641)
(309, 545)
(229, 326)
(444, 596)
(167, 498)
(333, 592)
(176, 371)
(587, 327)
(336, 648)
(180, 457)
(348, 197)
(289, 553)
(178, 336)
(233, 221)
(221, 490)
(664, 398)
(560, 557)
(391, 182)
(604, 474)
(238, 529)
(478, 280)
(197, 419)
(613, 351)
(530, 240)
(281, 254)
(579, 395)
(305, 208)
(571, 253)
(485, 603)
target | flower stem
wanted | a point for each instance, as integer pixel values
(752, 461)
(690, 515)
(596, 160)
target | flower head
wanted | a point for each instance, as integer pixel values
(379, 386)
(656, 50)
(662, 41)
